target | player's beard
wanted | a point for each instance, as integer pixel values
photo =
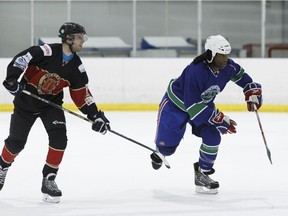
(76, 48)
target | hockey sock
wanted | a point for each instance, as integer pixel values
(54, 157)
(47, 170)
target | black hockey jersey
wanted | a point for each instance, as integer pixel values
(45, 75)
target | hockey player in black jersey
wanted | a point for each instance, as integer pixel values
(46, 70)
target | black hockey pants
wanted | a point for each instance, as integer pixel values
(22, 121)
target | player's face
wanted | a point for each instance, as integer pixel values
(220, 61)
(79, 40)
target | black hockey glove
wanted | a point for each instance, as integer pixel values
(14, 87)
(100, 123)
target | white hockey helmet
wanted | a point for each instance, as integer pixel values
(217, 44)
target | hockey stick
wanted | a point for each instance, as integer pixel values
(156, 153)
(262, 132)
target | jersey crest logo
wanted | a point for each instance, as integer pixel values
(48, 82)
(45, 82)
(210, 93)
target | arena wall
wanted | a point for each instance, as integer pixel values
(139, 83)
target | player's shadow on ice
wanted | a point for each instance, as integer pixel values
(217, 203)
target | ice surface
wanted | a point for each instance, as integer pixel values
(108, 175)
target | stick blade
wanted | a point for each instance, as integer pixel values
(269, 156)
(262, 133)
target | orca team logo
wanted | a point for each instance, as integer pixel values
(210, 93)
(48, 82)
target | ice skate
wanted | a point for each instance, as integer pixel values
(3, 173)
(156, 161)
(50, 190)
(204, 184)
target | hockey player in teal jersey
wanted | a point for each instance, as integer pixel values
(189, 99)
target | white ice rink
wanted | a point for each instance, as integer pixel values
(108, 175)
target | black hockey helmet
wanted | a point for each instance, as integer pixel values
(70, 28)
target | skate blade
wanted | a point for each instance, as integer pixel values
(204, 190)
(50, 199)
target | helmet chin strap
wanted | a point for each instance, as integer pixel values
(70, 44)
(210, 61)
(210, 56)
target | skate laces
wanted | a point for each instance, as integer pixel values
(51, 185)
(204, 179)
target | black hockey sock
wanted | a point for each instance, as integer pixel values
(47, 170)
(3, 164)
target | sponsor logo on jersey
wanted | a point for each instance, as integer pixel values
(46, 50)
(210, 93)
(81, 68)
(89, 100)
(23, 61)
